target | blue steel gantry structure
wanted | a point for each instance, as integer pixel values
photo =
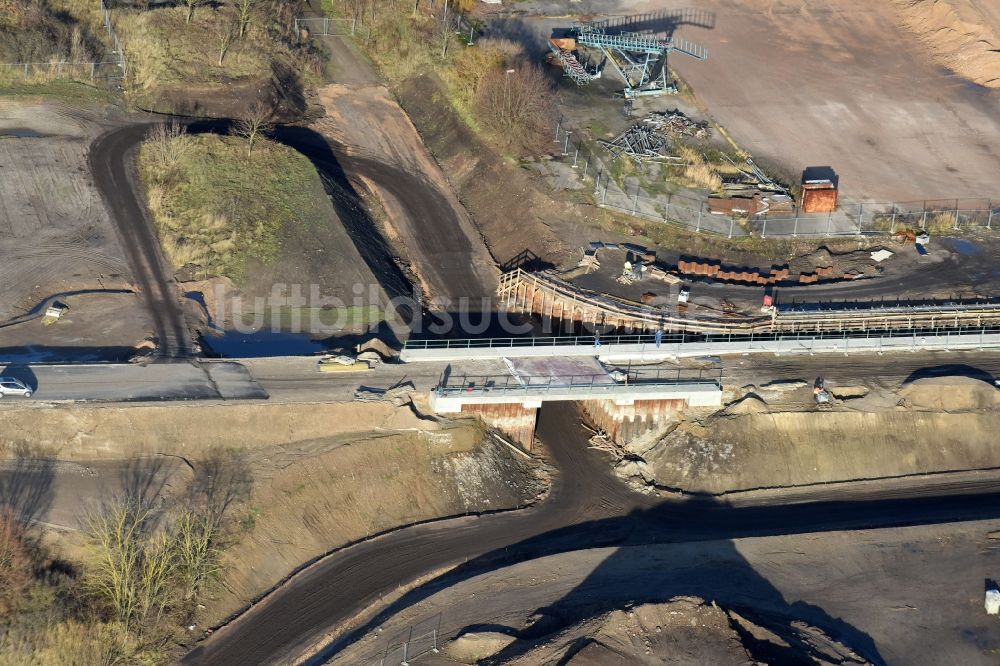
(640, 59)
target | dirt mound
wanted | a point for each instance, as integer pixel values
(751, 403)
(950, 394)
(964, 35)
(684, 630)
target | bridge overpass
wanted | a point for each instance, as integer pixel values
(622, 405)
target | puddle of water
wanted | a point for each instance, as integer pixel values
(962, 246)
(21, 133)
(233, 344)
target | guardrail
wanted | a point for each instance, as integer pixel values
(587, 382)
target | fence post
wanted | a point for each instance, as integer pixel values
(861, 216)
(732, 223)
(763, 229)
(566, 144)
(635, 202)
(558, 125)
(795, 227)
(326, 26)
(92, 66)
(25, 71)
(354, 24)
(989, 218)
(892, 227)
(923, 221)
(829, 222)
(697, 227)
(605, 199)
(575, 156)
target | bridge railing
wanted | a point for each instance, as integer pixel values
(590, 382)
(605, 343)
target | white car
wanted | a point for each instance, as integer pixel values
(11, 386)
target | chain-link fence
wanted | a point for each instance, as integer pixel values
(326, 27)
(852, 218)
(418, 640)
(110, 69)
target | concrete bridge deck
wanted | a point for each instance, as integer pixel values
(645, 348)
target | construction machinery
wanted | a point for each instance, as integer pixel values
(640, 59)
(823, 398)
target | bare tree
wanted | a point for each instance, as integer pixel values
(244, 12)
(131, 570)
(254, 124)
(517, 104)
(191, 6)
(227, 31)
(196, 552)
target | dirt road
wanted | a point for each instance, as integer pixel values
(587, 508)
(111, 163)
(375, 141)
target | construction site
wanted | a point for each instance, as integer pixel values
(538, 332)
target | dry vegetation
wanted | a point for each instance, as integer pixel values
(203, 45)
(218, 207)
(146, 566)
(47, 31)
(494, 86)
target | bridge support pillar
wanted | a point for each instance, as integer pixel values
(624, 420)
(514, 419)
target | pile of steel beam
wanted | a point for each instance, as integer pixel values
(640, 144)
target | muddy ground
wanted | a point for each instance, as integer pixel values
(902, 596)
(57, 237)
(803, 83)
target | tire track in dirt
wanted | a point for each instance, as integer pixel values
(111, 164)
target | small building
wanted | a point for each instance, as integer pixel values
(819, 196)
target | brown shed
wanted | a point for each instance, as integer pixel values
(819, 196)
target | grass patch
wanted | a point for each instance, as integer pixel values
(162, 49)
(72, 92)
(218, 209)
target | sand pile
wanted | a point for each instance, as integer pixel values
(963, 35)
(751, 403)
(950, 394)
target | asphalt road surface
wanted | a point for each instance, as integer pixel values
(134, 382)
(111, 157)
(587, 508)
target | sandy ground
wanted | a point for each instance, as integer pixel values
(56, 235)
(963, 34)
(772, 436)
(802, 83)
(321, 475)
(897, 596)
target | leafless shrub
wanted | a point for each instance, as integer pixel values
(254, 124)
(15, 563)
(168, 145)
(517, 104)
